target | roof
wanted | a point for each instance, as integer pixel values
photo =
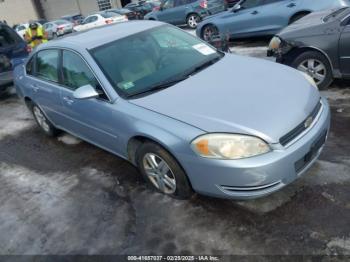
(101, 35)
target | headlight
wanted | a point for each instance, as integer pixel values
(309, 79)
(275, 43)
(229, 146)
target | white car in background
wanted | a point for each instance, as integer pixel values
(100, 19)
(21, 29)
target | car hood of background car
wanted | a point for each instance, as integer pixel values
(238, 95)
(309, 23)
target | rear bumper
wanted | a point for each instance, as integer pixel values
(6, 79)
(262, 175)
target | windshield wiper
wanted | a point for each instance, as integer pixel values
(201, 67)
(160, 86)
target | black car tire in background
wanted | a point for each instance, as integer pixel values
(318, 61)
(192, 20)
(209, 32)
(182, 190)
(40, 118)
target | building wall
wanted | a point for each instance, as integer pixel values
(17, 11)
(54, 9)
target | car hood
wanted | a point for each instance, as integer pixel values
(307, 23)
(239, 95)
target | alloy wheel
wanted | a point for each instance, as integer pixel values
(159, 173)
(314, 68)
(192, 21)
(41, 119)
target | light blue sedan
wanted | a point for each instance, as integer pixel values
(188, 116)
(250, 18)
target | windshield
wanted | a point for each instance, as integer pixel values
(336, 14)
(138, 63)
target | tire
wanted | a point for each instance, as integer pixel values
(296, 17)
(192, 20)
(45, 125)
(209, 32)
(167, 177)
(319, 66)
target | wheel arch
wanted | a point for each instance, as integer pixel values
(136, 141)
(301, 12)
(299, 50)
(28, 101)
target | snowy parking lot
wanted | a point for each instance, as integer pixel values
(65, 196)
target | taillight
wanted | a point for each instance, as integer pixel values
(156, 8)
(204, 4)
(28, 49)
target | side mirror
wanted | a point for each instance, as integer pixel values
(236, 8)
(85, 92)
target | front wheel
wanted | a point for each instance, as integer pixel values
(162, 171)
(193, 20)
(315, 65)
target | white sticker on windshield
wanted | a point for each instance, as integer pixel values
(126, 85)
(204, 49)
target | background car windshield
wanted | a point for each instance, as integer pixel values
(338, 13)
(137, 63)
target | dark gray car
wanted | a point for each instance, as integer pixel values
(318, 44)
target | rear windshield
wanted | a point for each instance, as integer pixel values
(109, 14)
(60, 22)
(336, 14)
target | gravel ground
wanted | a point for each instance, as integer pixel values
(64, 196)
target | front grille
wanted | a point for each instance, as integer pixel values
(290, 136)
(305, 160)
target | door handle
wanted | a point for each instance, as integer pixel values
(291, 5)
(35, 88)
(68, 100)
(255, 12)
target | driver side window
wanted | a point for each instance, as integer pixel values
(75, 72)
(168, 4)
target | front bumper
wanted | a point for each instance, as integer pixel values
(262, 175)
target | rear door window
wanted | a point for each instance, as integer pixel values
(47, 65)
(7, 37)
